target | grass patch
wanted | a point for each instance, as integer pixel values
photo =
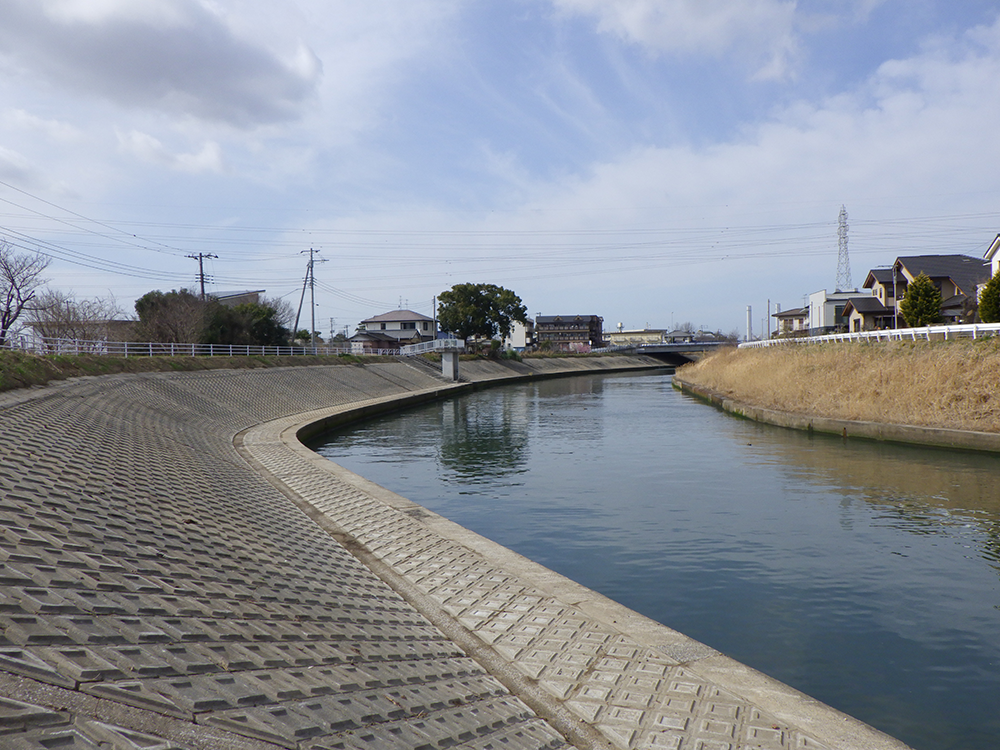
(950, 384)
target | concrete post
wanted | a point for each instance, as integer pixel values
(449, 365)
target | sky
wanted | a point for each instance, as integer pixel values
(655, 162)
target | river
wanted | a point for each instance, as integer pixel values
(866, 575)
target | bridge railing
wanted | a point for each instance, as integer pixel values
(435, 345)
(927, 333)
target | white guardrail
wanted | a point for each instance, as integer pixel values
(37, 345)
(927, 333)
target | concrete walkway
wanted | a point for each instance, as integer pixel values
(179, 572)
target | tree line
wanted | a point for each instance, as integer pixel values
(180, 317)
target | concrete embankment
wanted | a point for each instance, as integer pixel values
(181, 572)
(940, 394)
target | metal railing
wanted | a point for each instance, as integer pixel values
(38, 345)
(927, 333)
(435, 345)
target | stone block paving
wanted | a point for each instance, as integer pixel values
(636, 697)
(156, 592)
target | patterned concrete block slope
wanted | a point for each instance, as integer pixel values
(178, 572)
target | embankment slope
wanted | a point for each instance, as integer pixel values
(938, 393)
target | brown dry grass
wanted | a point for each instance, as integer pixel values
(936, 384)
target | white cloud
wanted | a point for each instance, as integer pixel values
(55, 130)
(765, 28)
(14, 167)
(151, 151)
(173, 55)
(160, 12)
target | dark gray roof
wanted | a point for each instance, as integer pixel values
(795, 312)
(881, 275)
(563, 318)
(967, 272)
(374, 336)
(868, 306)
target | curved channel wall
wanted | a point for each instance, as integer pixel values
(937, 437)
(179, 571)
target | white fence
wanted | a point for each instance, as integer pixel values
(928, 333)
(38, 345)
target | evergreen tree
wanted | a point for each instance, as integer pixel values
(922, 304)
(484, 310)
(989, 301)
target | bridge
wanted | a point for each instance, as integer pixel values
(677, 354)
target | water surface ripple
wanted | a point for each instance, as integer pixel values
(866, 575)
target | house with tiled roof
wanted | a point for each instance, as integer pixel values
(393, 330)
(956, 277)
(868, 314)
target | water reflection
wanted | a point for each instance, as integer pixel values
(915, 490)
(864, 574)
(482, 441)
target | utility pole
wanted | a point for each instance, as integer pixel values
(200, 257)
(310, 282)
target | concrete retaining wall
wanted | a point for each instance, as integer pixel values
(896, 433)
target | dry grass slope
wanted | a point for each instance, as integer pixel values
(937, 384)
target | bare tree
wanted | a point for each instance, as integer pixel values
(284, 313)
(20, 280)
(59, 315)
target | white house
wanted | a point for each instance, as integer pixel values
(392, 330)
(521, 336)
(993, 256)
(826, 310)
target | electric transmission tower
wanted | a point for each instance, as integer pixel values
(843, 261)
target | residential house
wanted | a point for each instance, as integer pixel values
(578, 333)
(868, 314)
(522, 336)
(956, 277)
(393, 330)
(884, 284)
(993, 256)
(792, 322)
(826, 310)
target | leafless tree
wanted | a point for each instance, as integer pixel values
(284, 312)
(59, 315)
(20, 281)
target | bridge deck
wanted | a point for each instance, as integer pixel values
(180, 573)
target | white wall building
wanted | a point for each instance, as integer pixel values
(993, 256)
(826, 310)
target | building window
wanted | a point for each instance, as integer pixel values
(409, 326)
(382, 325)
